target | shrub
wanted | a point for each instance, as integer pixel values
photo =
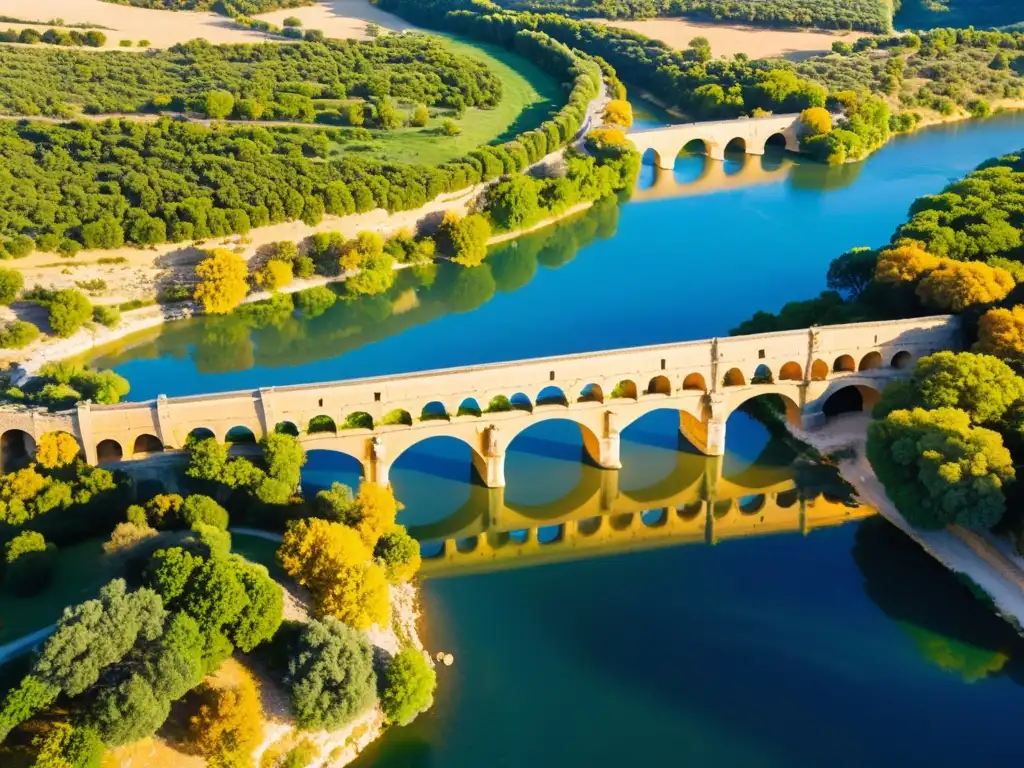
(126, 536)
(274, 274)
(106, 315)
(29, 563)
(450, 128)
(420, 116)
(465, 238)
(56, 449)
(11, 282)
(18, 335)
(400, 554)
(229, 725)
(619, 112)
(64, 746)
(1001, 333)
(816, 121)
(330, 675)
(313, 302)
(409, 683)
(202, 509)
(68, 311)
(292, 21)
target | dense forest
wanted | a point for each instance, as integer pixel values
(100, 185)
(866, 15)
(272, 81)
(218, 6)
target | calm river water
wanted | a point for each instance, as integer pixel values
(841, 646)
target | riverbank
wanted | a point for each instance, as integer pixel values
(974, 556)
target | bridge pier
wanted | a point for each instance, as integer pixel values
(377, 468)
(716, 437)
(609, 490)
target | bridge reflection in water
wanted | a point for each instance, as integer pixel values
(693, 503)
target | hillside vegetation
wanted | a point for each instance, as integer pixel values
(220, 6)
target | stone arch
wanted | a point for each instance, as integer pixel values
(551, 534)
(791, 371)
(792, 409)
(108, 451)
(469, 407)
(241, 435)
(659, 385)
(435, 410)
(621, 522)
(737, 144)
(695, 381)
(851, 398)
(521, 402)
(752, 505)
(286, 428)
(721, 508)
(786, 499)
(659, 158)
(360, 420)
(654, 518)
(762, 375)
(777, 141)
(147, 444)
(626, 389)
(551, 395)
(902, 360)
(691, 511)
(591, 443)
(819, 370)
(396, 417)
(734, 378)
(697, 147)
(321, 423)
(16, 449)
(844, 364)
(448, 466)
(198, 434)
(588, 526)
(467, 544)
(591, 393)
(870, 361)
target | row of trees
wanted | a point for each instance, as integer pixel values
(93, 38)
(177, 181)
(242, 6)
(248, 81)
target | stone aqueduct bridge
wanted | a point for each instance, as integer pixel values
(752, 132)
(602, 392)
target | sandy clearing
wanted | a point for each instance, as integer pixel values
(730, 39)
(337, 18)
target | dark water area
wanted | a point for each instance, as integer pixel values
(929, 14)
(689, 636)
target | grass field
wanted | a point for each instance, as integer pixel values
(528, 98)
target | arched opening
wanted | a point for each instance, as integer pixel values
(696, 147)
(435, 411)
(108, 451)
(762, 375)
(770, 408)
(519, 536)
(431, 550)
(324, 468)
(721, 508)
(734, 378)
(695, 382)
(791, 371)
(691, 511)
(321, 423)
(870, 361)
(654, 518)
(751, 505)
(819, 370)
(16, 449)
(625, 389)
(736, 146)
(550, 534)
(775, 143)
(659, 385)
(551, 396)
(286, 428)
(589, 526)
(902, 360)
(147, 444)
(652, 157)
(397, 417)
(467, 544)
(844, 364)
(591, 394)
(536, 449)
(787, 499)
(851, 399)
(440, 477)
(520, 402)
(198, 435)
(359, 420)
(621, 522)
(468, 407)
(240, 436)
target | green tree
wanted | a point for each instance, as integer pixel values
(852, 272)
(939, 470)
(285, 458)
(11, 282)
(330, 675)
(409, 683)
(465, 238)
(515, 203)
(169, 571)
(219, 104)
(980, 385)
(65, 746)
(262, 616)
(420, 116)
(29, 563)
(202, 509)
(128, 711)
(68, 311)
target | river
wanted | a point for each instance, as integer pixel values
(685, 637)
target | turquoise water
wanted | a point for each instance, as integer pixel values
(842, 646)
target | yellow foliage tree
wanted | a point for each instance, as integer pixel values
(229, 726)
(375, 510)
(1001, 333)
(619, 112)
(904, 263)
(56, 449)
(275, 274)
(222, 281)
(337, 566)
(367, 248)
(816, 121)
(955, 285)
